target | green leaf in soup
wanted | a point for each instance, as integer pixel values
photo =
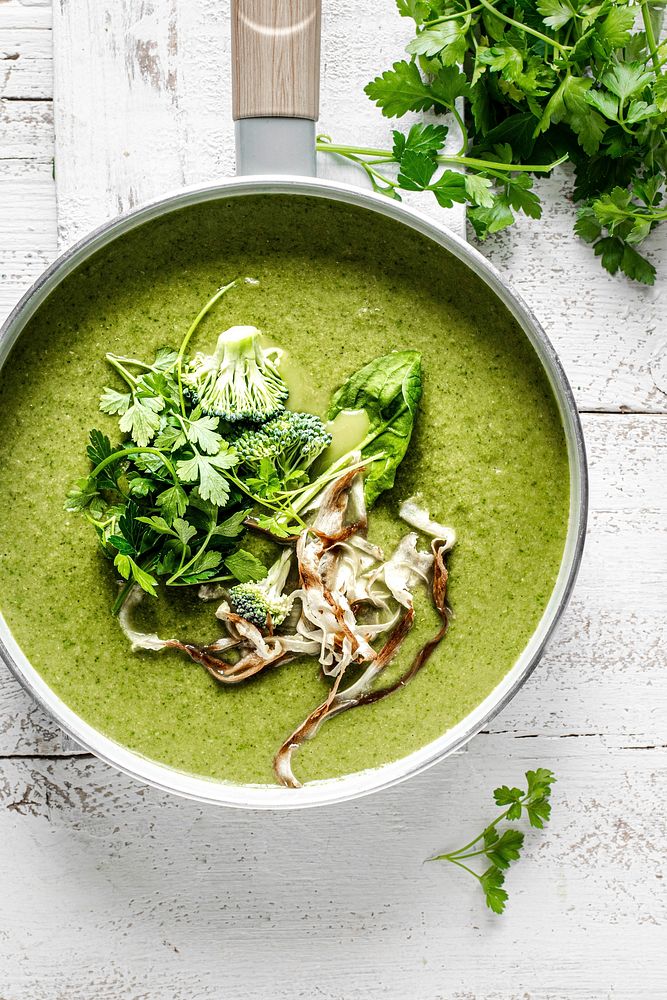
(233, 525)
(245, 566)
(389, 390)
(142, 420)
(172, 502)
(112, 401)
(203, 568)
(144, 579)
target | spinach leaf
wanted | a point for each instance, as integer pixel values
(389, 390)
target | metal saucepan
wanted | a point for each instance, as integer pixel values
(276, 86)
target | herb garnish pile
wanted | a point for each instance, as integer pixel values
(544, 81)
(500, 849)
(211, 451)
(173, 462)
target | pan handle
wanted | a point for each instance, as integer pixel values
(275, 84)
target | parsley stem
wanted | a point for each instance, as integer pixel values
(186, 340)
(123, 372)
(459, 864)
(352, 152)
(532, 168)
(268, 502)
(462, 126)
(117, 455)
(487, 829)
(182, 568)
(310, 492)
(453, 17)
(372, 173)
(129, 361)
(466, 857)
(650, 38)
(524, 27)
(122, 597)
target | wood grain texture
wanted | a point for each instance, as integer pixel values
(27, 221)
(275, 58)
(170, 123)
(26, 131)
(116, 890)
(26, 63)
(112, 890)
(24, 15)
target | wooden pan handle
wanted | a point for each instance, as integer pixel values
(275, 58)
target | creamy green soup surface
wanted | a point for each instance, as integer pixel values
(336, 288)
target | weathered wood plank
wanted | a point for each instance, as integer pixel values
(26, 63)
(24, 14)
(170, 64)
(27, 186)
(605, 671)
(114, 154)
(610, 332)
(27, 225)
(116, 890)
(26, 130)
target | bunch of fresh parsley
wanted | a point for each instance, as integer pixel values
(162, 502)
(544, 81)
(498, 848)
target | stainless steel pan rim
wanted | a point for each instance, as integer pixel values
(361, 783)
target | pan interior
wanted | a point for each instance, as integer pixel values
(336, 287)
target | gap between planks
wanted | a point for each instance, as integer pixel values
(608, 742)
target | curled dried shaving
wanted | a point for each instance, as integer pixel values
(361, 691)
(257, 653)
(138, 640)
(342, 574)
(417, 516)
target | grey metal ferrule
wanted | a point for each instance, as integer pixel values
(275, 146)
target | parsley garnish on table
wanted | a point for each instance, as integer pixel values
(543, 81)
(500, 847)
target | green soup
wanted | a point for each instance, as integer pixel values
(337, 287)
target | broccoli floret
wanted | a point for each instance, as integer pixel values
(291, 440)
(256, 601)
(240, 381)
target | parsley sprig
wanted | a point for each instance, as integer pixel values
(162, 503)
(542, 81)
(502, 847)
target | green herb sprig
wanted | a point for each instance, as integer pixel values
(502, 847)
(543, 81)
(162, 503)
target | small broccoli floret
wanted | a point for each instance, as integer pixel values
(240, 381)
(257, 601)
(292, 440)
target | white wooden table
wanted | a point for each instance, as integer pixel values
(111, 890)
